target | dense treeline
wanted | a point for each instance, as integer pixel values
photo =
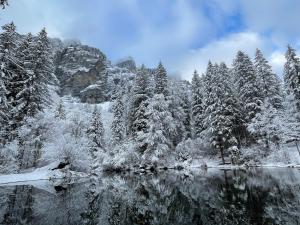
(228, 109)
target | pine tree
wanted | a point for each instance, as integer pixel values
(42, 74)
(292, 75)
(22, 83)
(267, 80)
(225, 116)
(96, 135)
(197, 105)
(138, 103)
(8, 45)
(209, 95)
(179, 106)
(3, 3)
(161, 80)
(60, 111)
(118, 125)
(266, 125)
(247, 85)
(157, 137)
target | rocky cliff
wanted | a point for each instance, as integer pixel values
(85, 72)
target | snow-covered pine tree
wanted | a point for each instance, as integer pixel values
(209, 95)
(179, 106)
(23, 81)
(8, 45)
(157, 138)
(60, 111)
(290, 127)
(197, 105)
(266, 125)
(118, 124)
(3, 3)
(43, 75)
(96, 136)
(292, 75)
(185, 98)
(268, 82)
(247, 85)
(161, 80)
(226, 120)
(138, 103)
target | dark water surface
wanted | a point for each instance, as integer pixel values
(201, 197)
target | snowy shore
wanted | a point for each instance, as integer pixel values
(47, 173)
(43, 173)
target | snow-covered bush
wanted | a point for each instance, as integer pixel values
(67, 141)
(189, 149)
(121, 157)
(8, 157)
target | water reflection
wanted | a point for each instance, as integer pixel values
(213, 197)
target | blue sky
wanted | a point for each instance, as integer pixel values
(183, 34)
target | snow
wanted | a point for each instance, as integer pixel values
(91, 87)
(38, 174)
(43, 173)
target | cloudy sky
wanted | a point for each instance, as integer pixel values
(183, 34)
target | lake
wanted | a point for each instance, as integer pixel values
(260, 196)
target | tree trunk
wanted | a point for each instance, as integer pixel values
(222, 156)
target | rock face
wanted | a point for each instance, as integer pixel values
(85, 72)
(77, 67)
(127, 63)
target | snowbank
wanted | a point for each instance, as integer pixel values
(43, 173)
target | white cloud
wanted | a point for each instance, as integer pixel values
(222, 50)
(168, 41)
(277, 61)
(33, 15)
(225, 49)
(278, 18)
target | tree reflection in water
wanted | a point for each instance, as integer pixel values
(212, 197)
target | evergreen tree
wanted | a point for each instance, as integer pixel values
(3, 3)
(96, 135)
(60, 111)
(118, 125)
(161, 80)
(157, 137)
(22, 84)
(209, 95)
(197, 105)
(179, 107)
(267, 80)
(266, 125)
(139, 101)
(8, 45)
(225, 116)
(247, 85)
(42, 74)
(292, 75)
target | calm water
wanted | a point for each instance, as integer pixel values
(212, 197)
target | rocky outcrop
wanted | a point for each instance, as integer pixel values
(85, 72)
(77, 67)
(127, 63)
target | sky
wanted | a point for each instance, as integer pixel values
(183, 34)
